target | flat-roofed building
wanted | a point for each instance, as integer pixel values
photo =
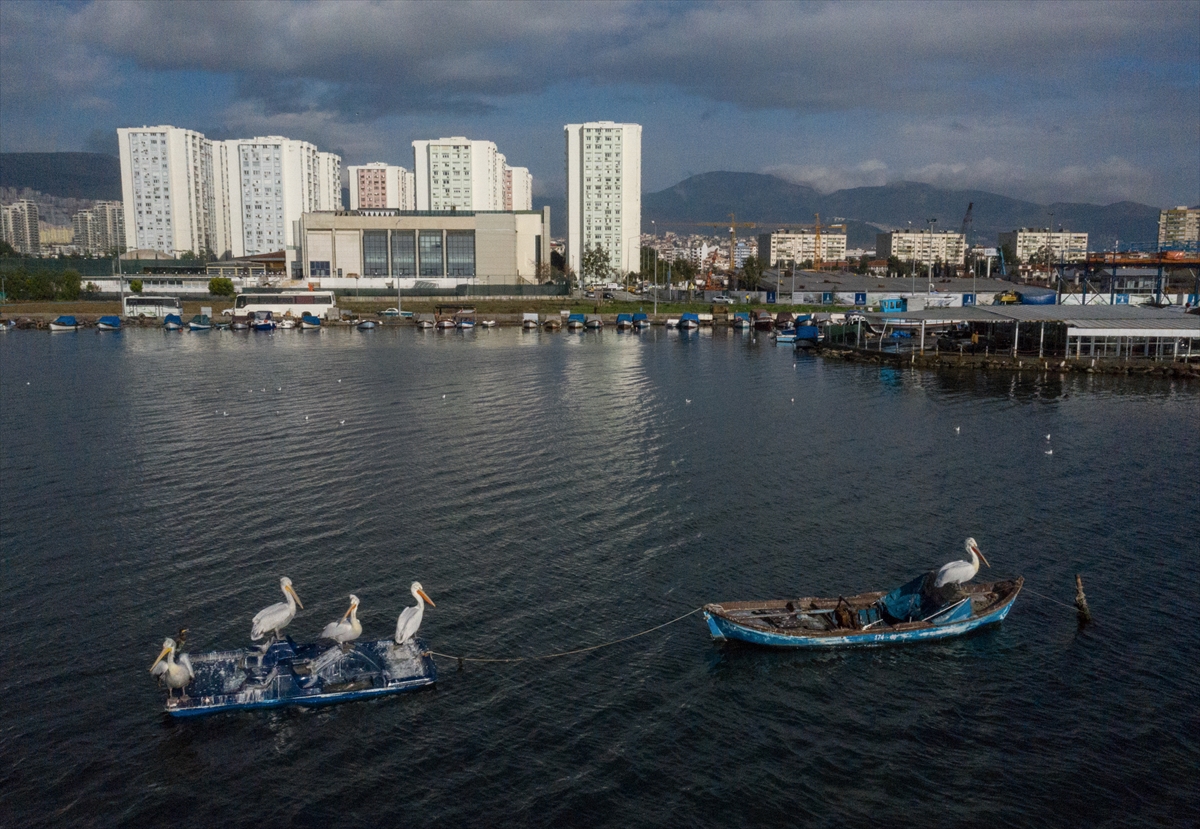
(459, 173)
(167, 189)
(1178, 225)
(443, 248)
(924, 248)
(381, 186)
(798, 246)
(100, 230)
(1064, 246)
(604, 193)
(19, 227)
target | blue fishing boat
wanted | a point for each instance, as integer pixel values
(741, 320)
(807, 336)
(262, 321)
(66, 322)
(309, 322)
(914, 612)
(108, 323)
(291, 674)
(641, 321)
(689, 321)
(200, 322)
(575, 322)
(172, 322)
(366, 325)
(624, 322)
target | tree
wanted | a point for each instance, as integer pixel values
(220, 286)
(864, 264)
(7, 250)
(752, 272)
(135, 285)
(895, 266)
(597, 267)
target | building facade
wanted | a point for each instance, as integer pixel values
(1064, 246)
(922, 248)
(604, 193)
(19, 227)
(799, 246)
(518, 189)
(100, 231)
(1178, 225)
(380, 186)
(167, 189)
(458, 173)
(395, 248)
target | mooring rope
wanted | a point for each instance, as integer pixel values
(1049, 599)
(567, 653)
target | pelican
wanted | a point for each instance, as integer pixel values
(275, 618)
(347, 628)
(173, 675)
(960, 572)
(410, 617)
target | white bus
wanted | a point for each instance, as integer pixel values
(137, 305)
(295, 303)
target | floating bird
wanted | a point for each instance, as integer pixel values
(1048, 452)
(171, 673)
(410, 617)
(341, 423)
(1047, 437)
(339, 381)
(957, 430)
(347, 628)
(306, 417)
(224, 414)
(960, 572)
(687, 400)
(443, 397)
(793, 400)
(279, 389)
(276, 617)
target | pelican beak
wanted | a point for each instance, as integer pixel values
(294, 596)
(346, 615)
(979, 553)
(165, 651)
(428, 600)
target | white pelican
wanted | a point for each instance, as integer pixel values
(173, 675)
(275, 618)
(960, 572)
(410, 617)
(347, 628)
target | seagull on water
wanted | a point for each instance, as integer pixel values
(1047, 437)
(1049, 452)
(341, 423)
(687, 400)
(957, 430)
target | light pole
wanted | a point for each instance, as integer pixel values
(930, 222)
(656, 283)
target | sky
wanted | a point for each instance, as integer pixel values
(1046, 101)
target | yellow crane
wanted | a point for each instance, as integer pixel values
(817, 263)
(733, 225)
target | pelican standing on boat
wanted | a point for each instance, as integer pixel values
(961, 572)
(276, 617)
(410, 617)
(171, 673)
(347, 628)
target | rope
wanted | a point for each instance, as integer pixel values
(1047, 598)
(566, 653)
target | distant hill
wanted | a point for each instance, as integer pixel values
(67, 175)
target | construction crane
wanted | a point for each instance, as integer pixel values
(818, 259)
(966, 225)
(733, 226)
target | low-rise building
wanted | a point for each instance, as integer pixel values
(398, 248)
(800, 246)
(1063, 246)
(924, 248)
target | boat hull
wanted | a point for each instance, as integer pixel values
(723, 628)
(291, 674)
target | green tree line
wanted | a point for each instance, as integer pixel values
(42, 285)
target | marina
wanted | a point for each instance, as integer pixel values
(411, 454)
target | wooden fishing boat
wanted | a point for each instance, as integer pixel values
(624, 322)
(426, 321)
(108, 323)
(200, 322)
(308, 322)
(529, 321)
(311, 674)
(445, 325)
(594, 322)
(366, 325)
(689, 321)
(575, 322)
(66, 322)
(552, 323)
(913, 612)
(741, 321)
(763, 321)
(641, 321)
(172, 322)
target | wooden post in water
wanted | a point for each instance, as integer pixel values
(1085, 613)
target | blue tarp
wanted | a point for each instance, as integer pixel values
(919, 600)
(65, 320)
(115, 322)
(638, 317)
(172, 318)
(575, 318)
(624, 318)
(807, 332)
(689, 316)
(904, 603)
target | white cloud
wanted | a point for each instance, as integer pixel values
(826, 179)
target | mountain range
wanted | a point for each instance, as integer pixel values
(768, 201)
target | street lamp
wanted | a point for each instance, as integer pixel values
(930, 222)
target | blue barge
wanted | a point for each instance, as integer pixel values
(291, 674)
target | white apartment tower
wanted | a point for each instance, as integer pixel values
(19, 227)
(329, 181)
(604, 192)
(378, 185)
(458, 173)
(518, 188)
(1178, 225)
(1064, 246)
(167, 189)
(925, 248)
(101, 230)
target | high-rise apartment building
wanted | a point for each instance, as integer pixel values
(799, 246)
(458, 173)
(1178, 225)
(604, 192)
(518, 188)
(100, 231)
(924, 248)
(1064, 246)
(182, 192)
(167, 189)
(379, 185)
(19, 227)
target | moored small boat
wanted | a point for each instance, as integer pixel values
(807, 336)
(366, 325)
(552, 323)
(200, 322)
(785, 337)
(763, 321)
(689, 322)
(641, 321)
(239, 325)
(66, 322)
(464, 323)
(575, 322)
(594, 322)
(287, 323)
(741, 321)
(308, 322)
(914, 612)
(426, 321)
(108, 323)
(487, 323)
(445, 325)
(529, 321)
(624, 322)
(262, 321)
(672, 322)
(172, 322)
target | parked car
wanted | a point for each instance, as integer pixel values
(589, 294)
(609, 295)
(390, 312)
(724, 300)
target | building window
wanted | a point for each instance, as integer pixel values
(404, 253)
(375, 253)
(430, 246)
(318, 270)
(460, 252)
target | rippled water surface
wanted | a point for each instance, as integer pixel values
(552, 491)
